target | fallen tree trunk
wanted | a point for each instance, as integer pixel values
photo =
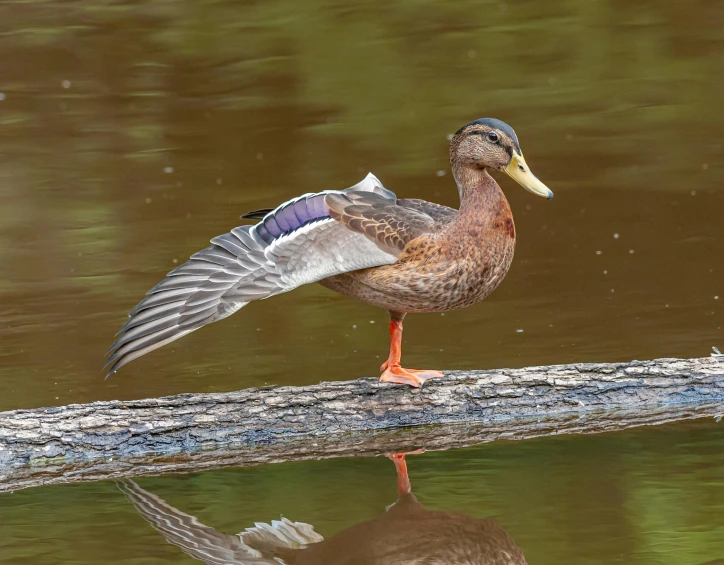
(191, 432)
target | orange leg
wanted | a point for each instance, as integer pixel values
(392, 372)
(403, 480)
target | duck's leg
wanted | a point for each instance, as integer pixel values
(403, 480)
(392, 372)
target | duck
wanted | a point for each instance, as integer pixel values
(401, 254)
(406, 533)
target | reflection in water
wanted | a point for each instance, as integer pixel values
(405, 533)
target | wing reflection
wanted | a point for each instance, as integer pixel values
(405, 534)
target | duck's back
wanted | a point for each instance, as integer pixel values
(408, 534)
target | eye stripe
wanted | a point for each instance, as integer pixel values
(492, 136)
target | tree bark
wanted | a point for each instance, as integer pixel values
(191, 432)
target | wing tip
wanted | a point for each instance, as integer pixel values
(109, 368)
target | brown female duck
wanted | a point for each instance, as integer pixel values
(404, 255)
(406, 534)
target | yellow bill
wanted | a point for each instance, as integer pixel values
(518, 170)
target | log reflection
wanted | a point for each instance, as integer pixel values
(404, 534)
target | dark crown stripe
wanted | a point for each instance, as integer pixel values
(496, 124)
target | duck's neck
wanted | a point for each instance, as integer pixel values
(482, 202)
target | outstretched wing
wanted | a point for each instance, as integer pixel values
(297, 243)
(255, 546)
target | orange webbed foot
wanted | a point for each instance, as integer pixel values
(412, 377)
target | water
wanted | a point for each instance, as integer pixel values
(131, 133)
(647, 496)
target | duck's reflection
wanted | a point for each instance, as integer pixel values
(405, 534)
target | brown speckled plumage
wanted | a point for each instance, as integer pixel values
(383, 221)
(405, 255)
(457, 261)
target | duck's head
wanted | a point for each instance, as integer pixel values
(488, 143)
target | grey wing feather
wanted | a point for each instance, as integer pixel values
(295, 244)
(255, 546)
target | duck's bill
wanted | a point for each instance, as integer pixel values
(518, 170)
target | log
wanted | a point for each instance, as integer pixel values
(191, 432)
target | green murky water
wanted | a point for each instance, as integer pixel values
(643, 497)
(131, 133)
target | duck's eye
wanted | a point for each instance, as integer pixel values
(492, 136)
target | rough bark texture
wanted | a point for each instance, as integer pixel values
(191, 432)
